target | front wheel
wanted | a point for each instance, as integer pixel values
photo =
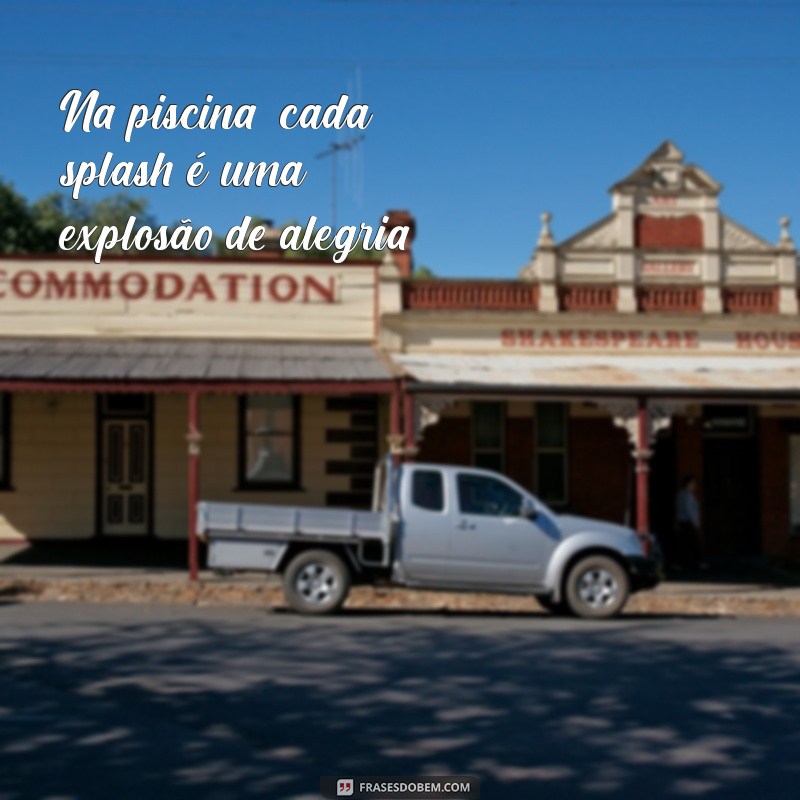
(316, 582)
(597, 588)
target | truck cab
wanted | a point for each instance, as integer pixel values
(466, 528)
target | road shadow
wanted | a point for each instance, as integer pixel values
(479, 614)
(108, 703)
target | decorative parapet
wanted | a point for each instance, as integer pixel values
(580, 297)
(670, 299)
(477, 295)
(751, 299)
(461, 295)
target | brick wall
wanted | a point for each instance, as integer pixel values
(447, 442)
(669, 233)
(599, 468)
(520, 450)
(774, 455)
(688, 433)
(688, 451)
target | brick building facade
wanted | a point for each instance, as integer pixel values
(660, 342)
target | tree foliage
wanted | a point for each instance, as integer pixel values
(35, 227)
(16, 223)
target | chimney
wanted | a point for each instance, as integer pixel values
(403, 256)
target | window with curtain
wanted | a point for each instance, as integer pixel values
(269, 441)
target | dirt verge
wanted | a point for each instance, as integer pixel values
(269, 595)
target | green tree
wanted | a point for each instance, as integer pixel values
(50, 215)
(16, 223)
(36, 227)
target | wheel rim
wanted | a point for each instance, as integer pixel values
(316, 583)
(598, 588)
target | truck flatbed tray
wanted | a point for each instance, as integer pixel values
(276, 523)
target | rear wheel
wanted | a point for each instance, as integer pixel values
(597, 588)
(316, 582)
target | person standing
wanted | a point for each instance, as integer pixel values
(687, 524)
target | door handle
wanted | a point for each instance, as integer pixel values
(464, 525)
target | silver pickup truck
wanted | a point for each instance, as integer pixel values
(435, 527)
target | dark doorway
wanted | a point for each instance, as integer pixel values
(730, 491)
(663, 487)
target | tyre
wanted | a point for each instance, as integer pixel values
(597, 587)
(558, 608)
(316, 582)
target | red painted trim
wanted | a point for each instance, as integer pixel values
(210, 387)
(395, 411)
(376, 308)
(409, 422)
(396, 414)
(193, 481)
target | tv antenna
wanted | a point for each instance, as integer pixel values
(332, 152)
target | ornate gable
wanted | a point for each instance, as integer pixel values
(665, 248)
(737, 237)
(600, 236)
(664, 170)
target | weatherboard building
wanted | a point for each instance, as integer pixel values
(663, 340)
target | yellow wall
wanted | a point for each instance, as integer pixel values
(53, 463)
(52, 468)
(218, 462)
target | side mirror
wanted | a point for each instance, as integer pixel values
(528, 509)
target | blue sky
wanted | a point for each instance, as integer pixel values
(486, 113)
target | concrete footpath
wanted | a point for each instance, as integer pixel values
(723, 590)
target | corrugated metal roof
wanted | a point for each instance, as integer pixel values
(186, 360)
(606, 373)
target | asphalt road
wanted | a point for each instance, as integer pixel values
(138, 701)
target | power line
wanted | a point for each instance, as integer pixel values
(126, 60)
(427, 5)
